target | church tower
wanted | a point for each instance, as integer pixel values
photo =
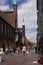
(15, 10)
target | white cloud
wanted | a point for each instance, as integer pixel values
(5, 7)
(28, 12)
(32, 36)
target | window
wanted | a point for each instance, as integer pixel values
(42, 6)
(5, 30)
(1, 28)
(11, 33)
(8, 31)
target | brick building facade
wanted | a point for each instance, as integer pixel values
(8, 25)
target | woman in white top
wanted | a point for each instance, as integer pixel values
(24, 50)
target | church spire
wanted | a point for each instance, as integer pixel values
(14, 2)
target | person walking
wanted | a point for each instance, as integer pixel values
(24, 50)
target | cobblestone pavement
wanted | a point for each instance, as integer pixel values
(19, 59)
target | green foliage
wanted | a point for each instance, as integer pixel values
(0, 10)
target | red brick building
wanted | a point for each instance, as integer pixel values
(8, 25)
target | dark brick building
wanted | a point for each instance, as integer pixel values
(40, 24)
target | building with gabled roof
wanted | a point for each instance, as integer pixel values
(8, 25)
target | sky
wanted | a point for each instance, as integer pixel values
(27, 11)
